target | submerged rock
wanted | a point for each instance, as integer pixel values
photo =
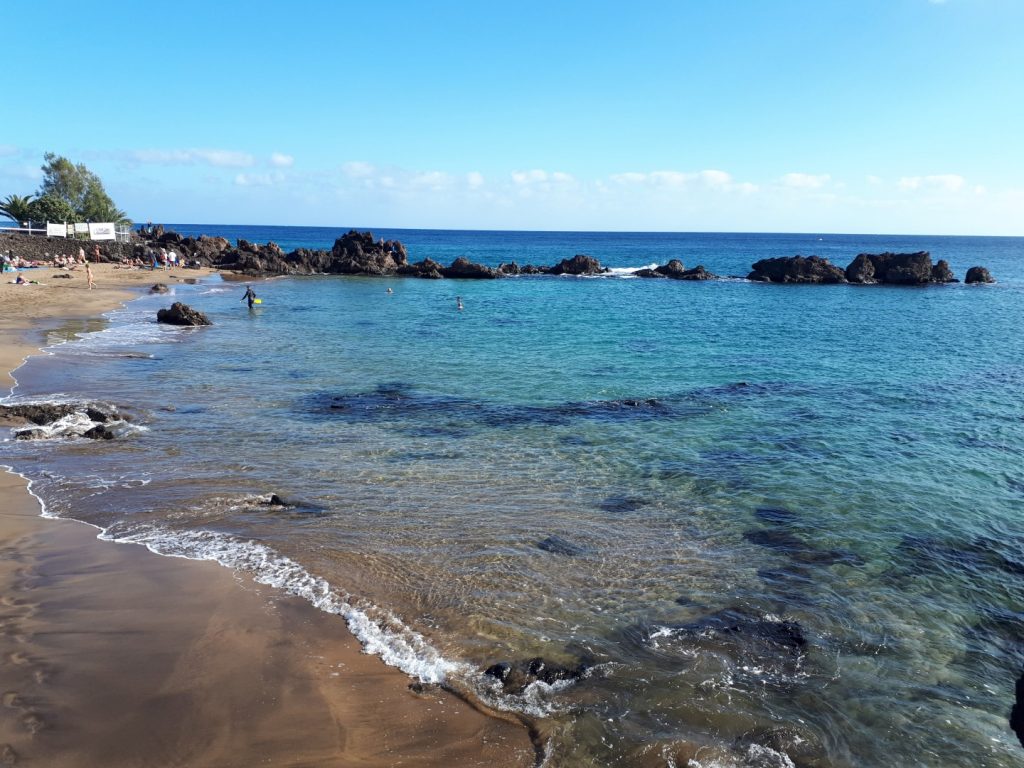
(978, 275)
(559, 546)
(159, 288)
(182, 314)
(515, 676)
(1017, 713)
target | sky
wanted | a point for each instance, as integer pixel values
(860, 116)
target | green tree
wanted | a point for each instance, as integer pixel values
(52, 208)
(17, 207)
(80, 188)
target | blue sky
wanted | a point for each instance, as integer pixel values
(902, 116)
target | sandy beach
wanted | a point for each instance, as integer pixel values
(113, 656)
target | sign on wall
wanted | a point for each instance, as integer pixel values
(60, 229)
(103, 231)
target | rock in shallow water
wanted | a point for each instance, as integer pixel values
(182, 314)
(559, 546)
(515, 676)
(1017, 713)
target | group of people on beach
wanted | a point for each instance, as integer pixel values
(11, 263)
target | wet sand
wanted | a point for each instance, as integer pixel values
(113, 656)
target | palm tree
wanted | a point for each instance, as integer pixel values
(17, 207)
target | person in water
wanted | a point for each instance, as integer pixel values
(250, 295)
(458, 302)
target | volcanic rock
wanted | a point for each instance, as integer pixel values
(463, 268)
(978, 275)
(515, 676)
(1017, 713)
(900, 268)
(796, 269)
(861, 270)
(428, 268)
(941, 273)
(181, 314)
(580, 264)
(159, 288)
(37, 413)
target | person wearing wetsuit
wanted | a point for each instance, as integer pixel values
(250, 295)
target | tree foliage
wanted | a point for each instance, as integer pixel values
(17, 207)
(52, 208)
(79, 188)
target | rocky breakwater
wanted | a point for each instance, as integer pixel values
(866, 269)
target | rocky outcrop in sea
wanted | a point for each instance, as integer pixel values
(866, 269)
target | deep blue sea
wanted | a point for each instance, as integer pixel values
(775, 525)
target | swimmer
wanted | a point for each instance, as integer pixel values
(390, 291)
(458, 302)
(250, 295)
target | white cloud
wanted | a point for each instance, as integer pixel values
(436, 180)
(8, 150)
(535, 176)
(715, 178)
(945, 182)
(679, 180)
(474, 180)
(259, 179)
(873, 180)
(806, 180)
(358, 169)
(630, 177)
(281, 160)
(222, 158)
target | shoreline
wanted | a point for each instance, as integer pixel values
(114, 656)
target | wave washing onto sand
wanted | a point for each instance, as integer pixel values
(380, 632)
(395, 644)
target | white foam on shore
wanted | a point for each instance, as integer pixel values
(396, 645)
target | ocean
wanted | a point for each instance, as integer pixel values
(740, 524)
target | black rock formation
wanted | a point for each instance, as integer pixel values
(181, 314)
(1017, 713)
(580, 264)
(515, 676)
(978, 275)
(796, 269)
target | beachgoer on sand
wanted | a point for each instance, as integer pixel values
(250, 295)
(88, 274)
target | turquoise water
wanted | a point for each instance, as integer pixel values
(778, 525)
